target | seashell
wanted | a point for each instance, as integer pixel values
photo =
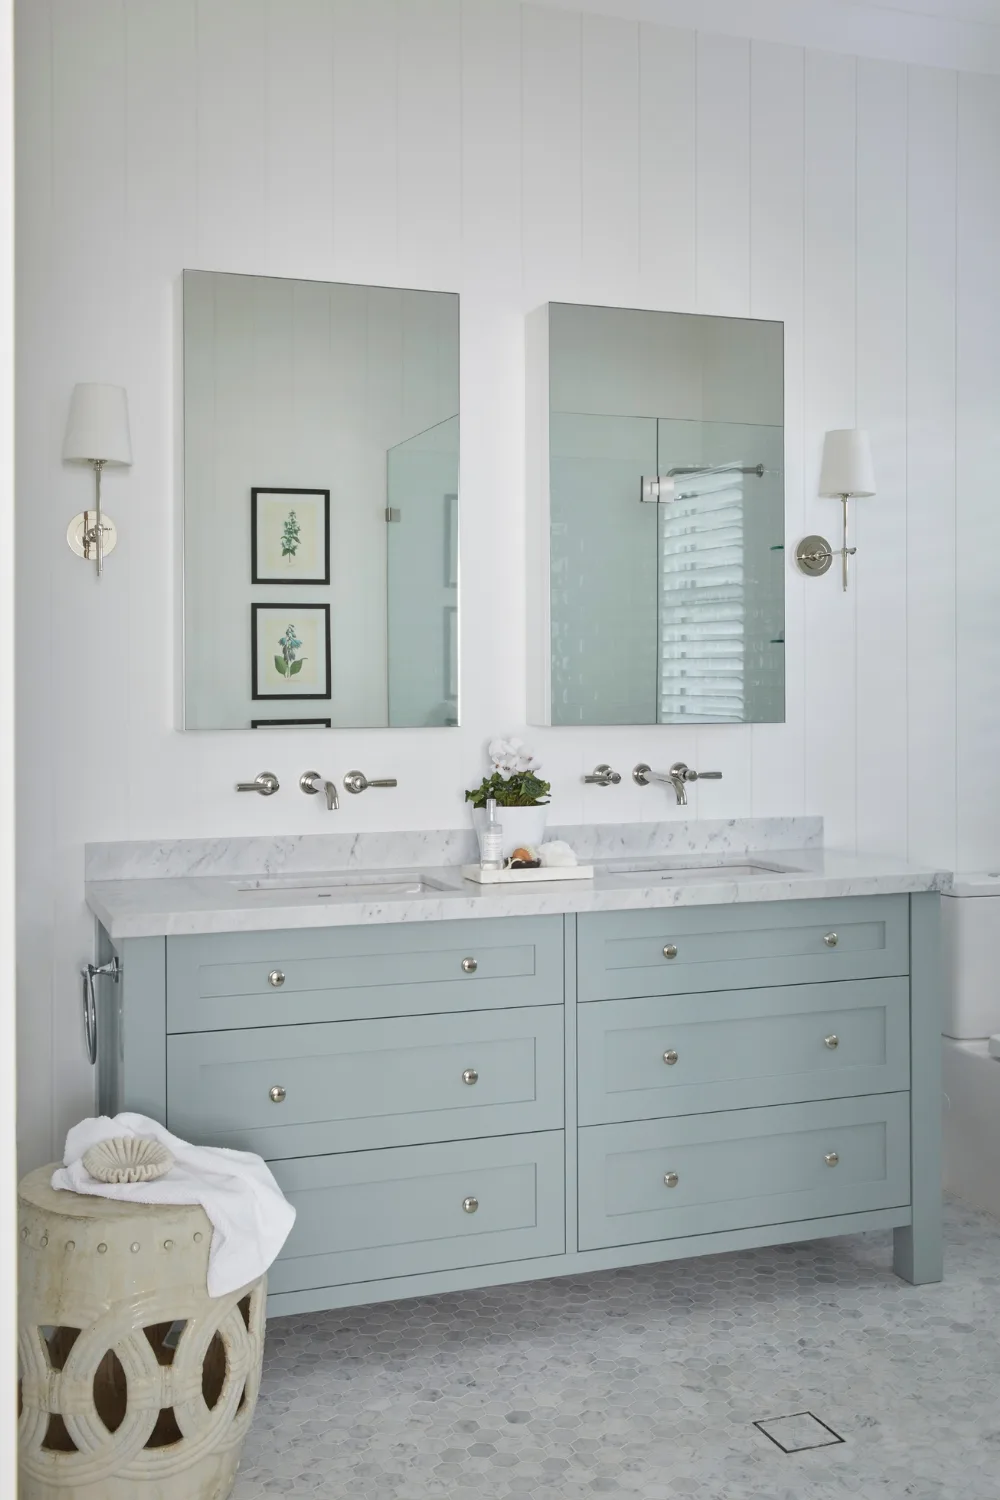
(128, 1158)
(524, 855)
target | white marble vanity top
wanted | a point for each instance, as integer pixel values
(255, 885)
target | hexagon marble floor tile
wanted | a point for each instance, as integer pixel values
(647, 1383)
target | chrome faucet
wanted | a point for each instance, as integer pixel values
(312, 782)
(677, 777)
(603, 775)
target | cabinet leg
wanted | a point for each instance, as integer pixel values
(918, 1251)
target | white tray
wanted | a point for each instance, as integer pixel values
(526, 877)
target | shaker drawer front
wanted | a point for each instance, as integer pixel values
(286, 1091)
(701, 1174)
(733, 1049)
(675, 950)
(376, 1214)
(233, 980)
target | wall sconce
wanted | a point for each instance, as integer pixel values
(846, 474)
(97, 433)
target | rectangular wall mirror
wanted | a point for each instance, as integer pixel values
(321, 435)
(656, 518)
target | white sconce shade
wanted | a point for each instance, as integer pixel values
(97, 430)
(847, 463)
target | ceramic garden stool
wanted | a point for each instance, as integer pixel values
(135, 1384)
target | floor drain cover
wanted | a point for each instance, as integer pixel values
(798, 1432)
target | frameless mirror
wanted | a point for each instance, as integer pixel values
(656, 551)
(320, 504)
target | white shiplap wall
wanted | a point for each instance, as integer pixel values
(515, 154)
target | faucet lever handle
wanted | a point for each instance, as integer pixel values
(266, 783)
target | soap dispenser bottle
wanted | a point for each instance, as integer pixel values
(491, 839)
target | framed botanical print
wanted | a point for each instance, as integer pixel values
(289, 536)
(293, 723)
(290, 650)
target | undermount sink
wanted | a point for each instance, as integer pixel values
(675, 869)
(343, 886)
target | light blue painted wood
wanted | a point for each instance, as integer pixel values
(572, 1134)
(374, 1214)
(358, 1085)
(741, 1048)
(220, 981)
(735, 947)
(503, 1273)
(918, 1251)
(740, 1168)
(131, 1029)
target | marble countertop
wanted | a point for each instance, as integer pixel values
(700, 868)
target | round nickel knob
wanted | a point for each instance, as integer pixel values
(670, 951)
(277, 1094)
(470, 1076)
(276, 979)
(670, 1179)
(470, 1205)
(470, 965)
(832, 1041)
(670, 1057)
(831, 940)
(831, 1158)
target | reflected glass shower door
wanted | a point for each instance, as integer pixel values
(721, 561)
(422, 577)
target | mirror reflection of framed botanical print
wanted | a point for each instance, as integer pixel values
(290, 650)
(289, 536)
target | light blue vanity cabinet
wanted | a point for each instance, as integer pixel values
(458, 1103)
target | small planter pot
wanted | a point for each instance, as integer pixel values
(521, 825)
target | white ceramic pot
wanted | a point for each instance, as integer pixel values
(521, 825)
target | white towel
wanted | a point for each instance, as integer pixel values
(251, 1218)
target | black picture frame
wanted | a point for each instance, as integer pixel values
(281, 608)
(294, 723)
(277, 489)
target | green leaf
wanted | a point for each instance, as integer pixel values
(296, 667)
(281, 666)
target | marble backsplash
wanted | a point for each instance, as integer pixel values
(322, 852)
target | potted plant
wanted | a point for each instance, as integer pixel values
(521, 795)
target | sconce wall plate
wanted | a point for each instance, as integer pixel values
(81, 534)
(814, 556)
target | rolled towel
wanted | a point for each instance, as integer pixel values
(557, 854)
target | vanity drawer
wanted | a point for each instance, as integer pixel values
(375, 1214)
(356, 1085)
(345, 973)
(742, 1168)
(674, 950)
(733, 1049)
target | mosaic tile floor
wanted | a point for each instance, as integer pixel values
(647, 1382)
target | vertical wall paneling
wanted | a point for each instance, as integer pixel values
(365, 117)
(550, 154)
(880, 525)
(667, 171)
(609, 71)
(829, 401)
(776, 271)
(491, 146)
(722, 233)
(232, 130)
(298, 148)
(429, 185)
(91, 657)
(978, 456)
(930, 532)
(42, 397)
(516, 154)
